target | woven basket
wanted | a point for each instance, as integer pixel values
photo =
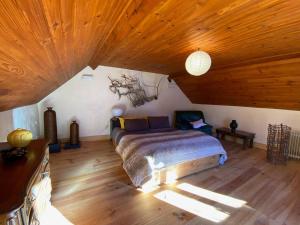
(278, 141)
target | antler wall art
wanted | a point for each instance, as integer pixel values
(132, 88)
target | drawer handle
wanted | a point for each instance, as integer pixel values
(31, 199)
(12, 220)
(45, 174)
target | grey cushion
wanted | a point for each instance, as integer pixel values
(136, 124)
(158, 122)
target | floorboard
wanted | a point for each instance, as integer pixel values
(90, 187)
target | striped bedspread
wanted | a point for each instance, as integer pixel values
(144, 153)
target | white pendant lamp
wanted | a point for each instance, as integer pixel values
(198, 63)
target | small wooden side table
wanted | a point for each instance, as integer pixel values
(246, 136)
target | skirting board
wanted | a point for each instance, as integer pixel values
(107, 137)
(260, 145)
(89, 138)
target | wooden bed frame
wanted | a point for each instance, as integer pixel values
(177, 171)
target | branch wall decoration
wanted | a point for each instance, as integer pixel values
(133, 89)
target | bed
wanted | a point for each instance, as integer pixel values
(155, 156)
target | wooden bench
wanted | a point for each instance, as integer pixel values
(246, 136)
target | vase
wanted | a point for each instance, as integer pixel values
(50, 127)
(74, 133)
(233, 125)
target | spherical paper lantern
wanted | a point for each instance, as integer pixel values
(198, 63)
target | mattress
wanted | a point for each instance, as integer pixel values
(145, 152)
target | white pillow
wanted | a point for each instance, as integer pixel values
(198, 123)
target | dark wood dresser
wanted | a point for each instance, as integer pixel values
(25, 186)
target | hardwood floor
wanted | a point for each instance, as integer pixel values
(90, 187)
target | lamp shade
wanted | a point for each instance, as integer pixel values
(198, 63)
(117, 111)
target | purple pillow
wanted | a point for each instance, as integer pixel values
(136, 124)
(157, 122)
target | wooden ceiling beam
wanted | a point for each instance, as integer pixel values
(104, 40)
(132, 16)
(45, 43)
(273, 84)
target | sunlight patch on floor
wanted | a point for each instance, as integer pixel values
(52, 216)
(148, 188)
(67, 190)
(220, 198)
(171, 177)
(153, 184)
(192, 206)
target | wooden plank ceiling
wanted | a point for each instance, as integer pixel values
(45, 42)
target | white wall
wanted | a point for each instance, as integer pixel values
(250, 119)
(6, 124)
(27, 117)
(90, 101)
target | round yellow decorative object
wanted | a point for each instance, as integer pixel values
(19, 138)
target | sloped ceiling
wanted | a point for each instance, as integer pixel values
(45, 42)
